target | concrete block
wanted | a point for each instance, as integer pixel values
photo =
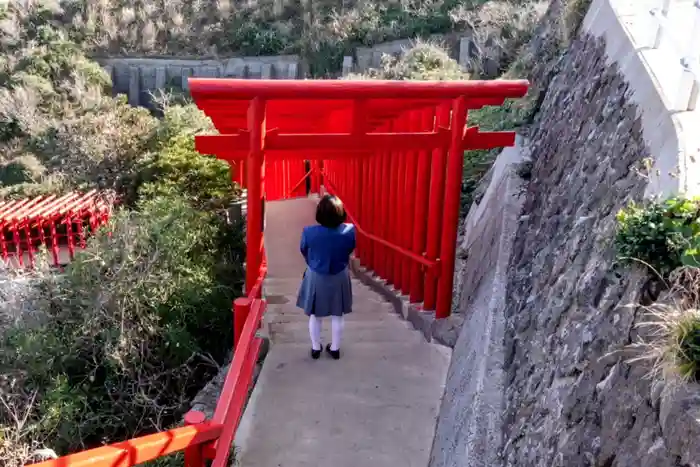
(134, 85)
(464, 52)
(293, 71)
(233, 67)
(161, 77)
(186, 73)
(347, 65)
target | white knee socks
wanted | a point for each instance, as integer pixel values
(337, 323)
(336, 331)
(315, 332)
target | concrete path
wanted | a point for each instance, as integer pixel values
(375, 407)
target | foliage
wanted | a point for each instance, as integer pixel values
(56, 107)
(669, 338)
(21, 169)
(664, 235)
(688, 351)
(205, 181)
(424, 61)
(119, 344)
(322, 32)
(128, 327)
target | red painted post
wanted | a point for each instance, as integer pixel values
(414, 125)
(392, 213)
(54, 242)
(241, 309)
(271, 186)
(359, 205)
(3, 243)
(254, 179)
(450, 219)
(364, 202)
(370, 210)
(30, 244)
(421, 211)
(316, 180)
(383, 181)
(400, 208)
(435, 208)
(194, 457)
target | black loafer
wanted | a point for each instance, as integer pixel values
(335, 354)
(315, 354)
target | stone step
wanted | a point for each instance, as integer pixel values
(361, 312)
(277, 286)
(354, 317)
(357, 332)
(359, 304)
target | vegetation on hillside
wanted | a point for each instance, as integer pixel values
(118, 344)
(321, 31)
(664, 236)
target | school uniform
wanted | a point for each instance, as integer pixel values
(326, 289)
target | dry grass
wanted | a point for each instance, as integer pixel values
(322, 31)
(500, 30)
(670, 333)
(423, 61)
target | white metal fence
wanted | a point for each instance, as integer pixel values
(673, 30)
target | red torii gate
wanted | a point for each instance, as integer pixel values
(356, 130)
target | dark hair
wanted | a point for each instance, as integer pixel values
(330, 212)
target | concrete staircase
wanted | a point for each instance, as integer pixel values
(376, 406)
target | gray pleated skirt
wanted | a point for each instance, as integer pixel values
(325, 295)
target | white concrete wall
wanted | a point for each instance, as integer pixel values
(673, 136)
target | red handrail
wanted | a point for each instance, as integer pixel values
(201, 440)
(429, 264)
(139, 450)
(303, 179)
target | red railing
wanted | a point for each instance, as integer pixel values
(200, 439)
(405, 203)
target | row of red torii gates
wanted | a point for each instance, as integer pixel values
(392, 150)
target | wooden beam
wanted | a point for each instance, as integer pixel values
(237, 89)
(474, 139)
(228, 146)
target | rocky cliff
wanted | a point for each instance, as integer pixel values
(542, 378)
(570, 399)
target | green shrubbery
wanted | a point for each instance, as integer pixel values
(127, 333)
(664, 235)
(118, 344)
(424, 61)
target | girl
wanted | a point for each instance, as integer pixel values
(325, 289)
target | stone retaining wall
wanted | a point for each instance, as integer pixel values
(545, 380)
(138, 78)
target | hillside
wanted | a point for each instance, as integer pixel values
(322, 32)
(110, 348)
